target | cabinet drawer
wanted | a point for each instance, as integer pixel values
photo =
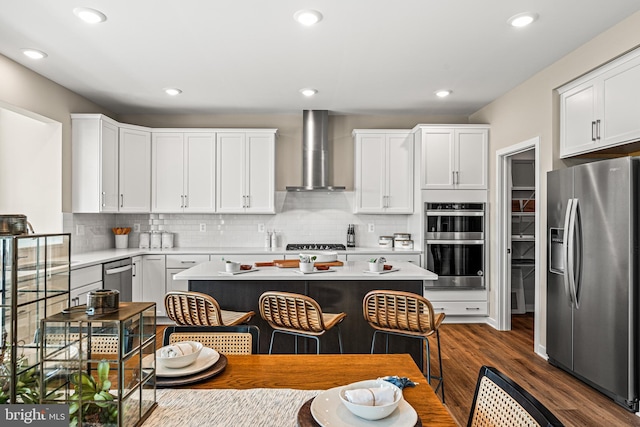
(461, 308)
(85, 276)
(185, 261)
(434, 295)
(390, 257)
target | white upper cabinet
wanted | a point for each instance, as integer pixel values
(383, 171)
(94, 163)
(245, 172)
(453, 157)
(182, 169)
(135, 170)
(599, 110)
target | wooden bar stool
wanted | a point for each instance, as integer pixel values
(198, 309)
(405, 314)
(297, 315)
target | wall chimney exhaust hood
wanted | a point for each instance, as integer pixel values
(315, 152)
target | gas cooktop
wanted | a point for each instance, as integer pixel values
(315, 247)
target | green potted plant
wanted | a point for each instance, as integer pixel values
(376, 265)
(92, 399)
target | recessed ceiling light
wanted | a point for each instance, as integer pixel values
(522, 19)
(90, 16)
(172, 91)
(307, 16)
(308, 91)
(34, 53)
(443, 93)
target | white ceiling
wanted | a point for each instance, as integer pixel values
(250, 56)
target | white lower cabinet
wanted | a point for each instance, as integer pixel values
(178, 263)
(83, 281)
(458, 303)
(153, 281)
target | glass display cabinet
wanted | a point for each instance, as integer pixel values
(34, 283)
(101, 365)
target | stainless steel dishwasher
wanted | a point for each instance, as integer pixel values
(117, 275)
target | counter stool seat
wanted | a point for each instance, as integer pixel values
(198, 309)
(405, 314)
(298, 315)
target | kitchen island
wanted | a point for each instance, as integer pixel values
(341, 289)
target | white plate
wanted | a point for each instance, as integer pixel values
(313, 272)
(381, 272)
(328, 411)
(229, 273)
(207, 358)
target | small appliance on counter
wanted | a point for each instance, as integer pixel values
(385, 241)
(167, 240)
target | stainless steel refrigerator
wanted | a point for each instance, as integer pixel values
(592, 277)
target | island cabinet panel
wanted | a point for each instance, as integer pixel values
(333, 296)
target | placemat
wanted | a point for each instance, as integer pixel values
(262, 407)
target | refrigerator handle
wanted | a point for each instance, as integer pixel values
(577, 245)
(567, 251)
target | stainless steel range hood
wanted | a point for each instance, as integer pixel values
(315, 152)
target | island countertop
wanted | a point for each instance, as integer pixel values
(351, 270)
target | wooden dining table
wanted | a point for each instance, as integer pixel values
(325, 371)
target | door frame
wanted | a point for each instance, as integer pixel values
(502, 266)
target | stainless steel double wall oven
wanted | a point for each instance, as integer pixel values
(455, 244)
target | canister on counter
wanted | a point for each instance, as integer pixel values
(403, 244)
(398, 238)
(167, 240)
(385, 241)
(144, 241)
(155, 240)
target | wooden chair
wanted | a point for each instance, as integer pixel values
(405, 314)
(197, 309)
(298, 315)
(500, 402)
(242, 339)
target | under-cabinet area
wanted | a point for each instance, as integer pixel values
(523, 235)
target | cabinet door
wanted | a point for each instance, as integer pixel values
(199, 178)
(260, 173)
(620, 104)
(109, 167)
(136, 279)
(438, 161)
(167, 172)
(79, 295)
(399, 171)
(153, 281)
(577, 120)
(135, 170)
(370, 170)
(471, 170)
(230, 172)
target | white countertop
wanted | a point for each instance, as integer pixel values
(352, 270)
(98, 257)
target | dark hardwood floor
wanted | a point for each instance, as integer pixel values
(466, 347)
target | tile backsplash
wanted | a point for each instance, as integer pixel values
(300, 218)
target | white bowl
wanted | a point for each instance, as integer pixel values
(232, 266)
(175, 362)
(371, 412)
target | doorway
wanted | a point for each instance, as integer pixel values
(518, 229)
